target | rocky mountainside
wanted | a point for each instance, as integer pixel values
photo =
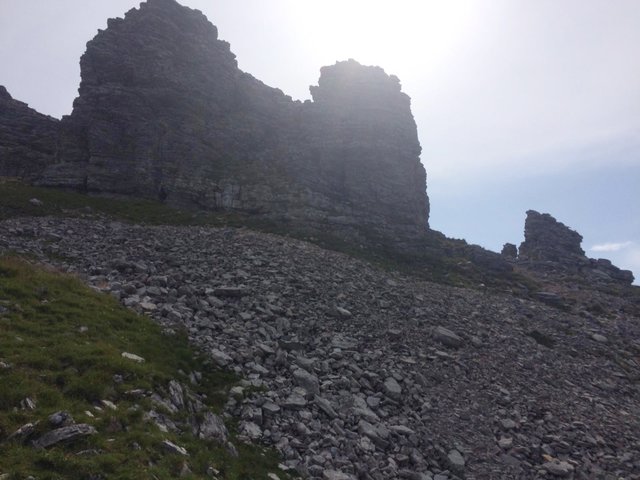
(356, 372)
(164, 112)
(349, 370)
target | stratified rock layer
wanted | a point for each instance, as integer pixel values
(164, 112)
(28, 139)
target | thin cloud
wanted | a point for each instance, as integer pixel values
(611, 246)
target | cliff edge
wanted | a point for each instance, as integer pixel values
(164, 112)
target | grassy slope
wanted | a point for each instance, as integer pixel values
(15, 196)
(63, 367)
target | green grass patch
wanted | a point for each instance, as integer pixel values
(15, 199)
(61, 346)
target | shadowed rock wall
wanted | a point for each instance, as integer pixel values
(164, 112)
(28, 139)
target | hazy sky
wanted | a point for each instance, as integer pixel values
(531, 104)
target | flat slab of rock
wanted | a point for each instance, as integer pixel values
(447, 338)
(230, 292)
(64, 434)
(336, 475)
(558, 468)
(132, 356)
(173, 448)
(325, 406)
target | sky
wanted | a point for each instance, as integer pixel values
(530, 104)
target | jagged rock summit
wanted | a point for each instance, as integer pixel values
(164, 112)
(552, 247)
(547, 239)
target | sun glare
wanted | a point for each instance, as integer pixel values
(395, 35)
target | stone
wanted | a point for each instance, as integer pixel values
(109, 404)
(401, 430)
(250, 429)
(336, 475)
(28, 403)
(307, 381)
(325, 405)
(64, 434)
(270, 408)
(447, 338)
(212, 427)
(24, 432)
(599, 338)
(173, 448)
(343, 312)
(558, 468)
(508, 424)
(220, 357)
(295, 401)
(456, 461)
(233, 292)
(132, 356)
(392, 388)
(505, 442)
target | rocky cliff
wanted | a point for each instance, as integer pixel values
(28, 139)
(164, 112)
(553, 247)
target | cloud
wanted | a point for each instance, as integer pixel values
(611, 246)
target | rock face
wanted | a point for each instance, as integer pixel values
(547, 239)
(28, 139)
(509, 250)
(552, 246)
(164, 112)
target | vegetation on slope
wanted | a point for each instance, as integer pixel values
(61, 348)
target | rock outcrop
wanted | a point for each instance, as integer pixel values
(28, 139)
(546, 239)
(164, 112)
(553, 247)
(510, 251)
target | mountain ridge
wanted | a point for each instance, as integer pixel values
(164, 113)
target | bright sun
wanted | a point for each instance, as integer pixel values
(393, 34)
